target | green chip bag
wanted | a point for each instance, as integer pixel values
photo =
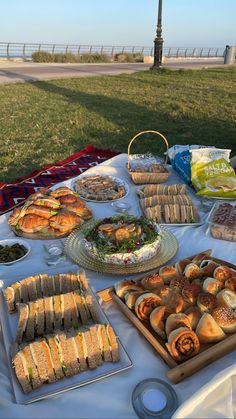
(211, 172)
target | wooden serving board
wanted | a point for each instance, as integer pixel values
(208, 352)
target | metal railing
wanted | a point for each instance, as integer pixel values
(12, 50)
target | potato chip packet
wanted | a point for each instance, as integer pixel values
(212, 173)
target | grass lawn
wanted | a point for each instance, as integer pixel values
(43, 122)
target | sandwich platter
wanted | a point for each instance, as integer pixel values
(114, 188)
(9, 328)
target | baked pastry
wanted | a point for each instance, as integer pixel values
(44, 212)
(145, 304)
(201, 256)
(207, 301)
(212, 285)
(222, 273)
(68, 199)
(190, 292)
(157, 320)
(167, 273)
(226, 298)
(32, 223)
(192, 271)
(124, 286)
(176, 320)
(79, 208)
(178, 283)
(208, 330)
(182, 344)
(152, 281)
(171, 299)
(207, 268)
(132, 296)
(65, 221)
(62, 191)
(181, 265)
(194, 314)
(48, 201)
(231, 283)
(225, 318)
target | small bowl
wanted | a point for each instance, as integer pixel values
(10, 242)
(122, 207)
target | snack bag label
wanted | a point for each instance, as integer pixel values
(212, 174)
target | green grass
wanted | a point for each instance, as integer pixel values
(43, 122)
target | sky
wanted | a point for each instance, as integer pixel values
(197, 23)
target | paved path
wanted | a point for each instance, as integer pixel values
(12, 72)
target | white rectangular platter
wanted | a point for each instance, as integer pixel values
(9, 326)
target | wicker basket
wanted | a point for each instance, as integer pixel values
(148, 177)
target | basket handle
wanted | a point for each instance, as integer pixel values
(146, 132)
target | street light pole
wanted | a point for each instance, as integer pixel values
(158, 42)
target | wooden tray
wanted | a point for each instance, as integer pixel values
(208, 352)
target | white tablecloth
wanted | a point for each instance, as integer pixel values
(111, 397)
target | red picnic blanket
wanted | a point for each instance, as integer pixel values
(14, 194)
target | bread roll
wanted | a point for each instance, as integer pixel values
(225, 318)
(226, 298)
(222, 273)
(167, 273)
(151, 282)
(125, 286)
(192, 271)
(201, 256)
(231, 283)
(157, 320)
(208, 330)
(212, 285)
(131, 298)
(182, 344)
(145, 304)
(208, 267)
(170, 298)
(178, 283)
(181, 265)
(194, 314)
(190, 292)
(207, 301)
(176, 320)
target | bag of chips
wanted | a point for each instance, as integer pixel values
(212, 173)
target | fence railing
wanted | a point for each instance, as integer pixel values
(25, 50)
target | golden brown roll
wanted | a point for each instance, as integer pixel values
(62, 191)
(32, 223)
(182, 344)
(152, 281)
(201, 256)
(132, 296)
(124, 286)
(145, 304)
(190, 292)
(44, 212)
(170, 298)
(167, 273)
(222, 273)
(231, 283)
(80, 209)
(225, 318)
(207, 301)
(181, 265)
(47, 201)
(178, 283)
(157, 320)
(208, 330)
(176, 320)
(192, 271)
(208, 267)
(68, 199)
(226, 298)
(194, 314)
(212, 285)
(65, 221)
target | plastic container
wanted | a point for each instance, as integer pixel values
(222, 221)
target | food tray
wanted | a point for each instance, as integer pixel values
(177, 372)
(9, 326)
(119, 181)
(75, 249)
(148, 177)
(219, 230)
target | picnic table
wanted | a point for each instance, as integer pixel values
(111, 396)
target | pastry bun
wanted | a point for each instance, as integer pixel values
(194, 314)
(201, 256)
(131, 298)
(207, 301)
(207, 267)
(151, 282)
(178, 283)
(231, 283)
(208, 330)
(190, 293)
(167, 273)
(180, 266)
(124, 286)
(176, 320)
(157, 320)
(145, 304)
(182, 344)
(226, 298)
(192, 271)
(222, 273)
(225, 318)
(171, 299)
(212, 285)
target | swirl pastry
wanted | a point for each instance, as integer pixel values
(145, 304)
(208, 330)
(225, 318)
(174, 321)
(182, 344)
(194, 314)
(157, 320)
(212, 285)
(131, 298)
(207, 301)
(151, 282)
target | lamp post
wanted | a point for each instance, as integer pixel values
(158, 41)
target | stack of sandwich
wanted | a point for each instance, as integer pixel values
(168, 204)
(50, 214)
(59, 318)
(187, 305)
